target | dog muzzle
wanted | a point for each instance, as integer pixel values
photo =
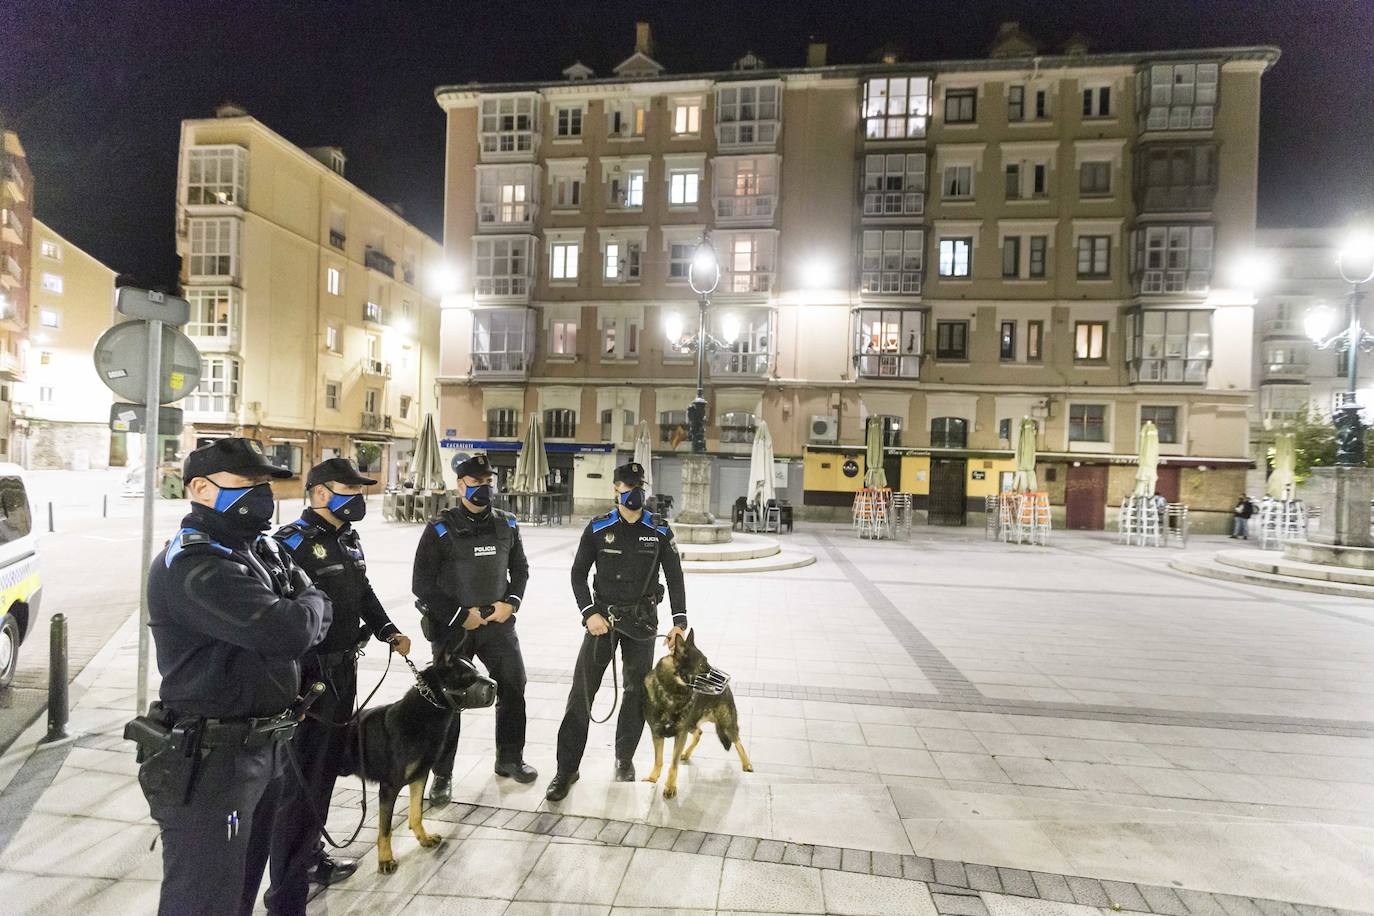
(711, 684)
(480, 694)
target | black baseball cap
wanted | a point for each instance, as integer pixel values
(476, 466)
(631, 474)
(336, 470)
(234, 454)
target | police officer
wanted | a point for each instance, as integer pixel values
(470, 576)
(628, 546)
(231, 617)
(324, 543)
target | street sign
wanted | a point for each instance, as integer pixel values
(133, 418)
(121, 361)
(152, 306)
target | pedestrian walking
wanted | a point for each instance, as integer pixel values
(1240, 517)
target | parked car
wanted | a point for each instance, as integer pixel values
(20, 584)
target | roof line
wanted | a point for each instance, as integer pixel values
(1267, 53)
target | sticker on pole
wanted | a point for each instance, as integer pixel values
(121, 361)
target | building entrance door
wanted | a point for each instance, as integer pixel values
(947, 503)
(1085, 497)
(892, 467)
(1168, 484)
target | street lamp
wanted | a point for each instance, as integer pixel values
(1355, 260)
(703, 275)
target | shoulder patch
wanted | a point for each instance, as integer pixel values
(440, 529)
(190, 537)
(601, 524)
(511, 520)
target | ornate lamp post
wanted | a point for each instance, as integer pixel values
(1356, 264)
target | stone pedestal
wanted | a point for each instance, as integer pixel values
(694, 523)
(1343, 495)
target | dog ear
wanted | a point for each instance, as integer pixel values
(692, 638)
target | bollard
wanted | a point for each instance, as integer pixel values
(279, 512)
(50, 517)
(57, 680)
(105, 506)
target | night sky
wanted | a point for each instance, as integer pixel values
(96, 90)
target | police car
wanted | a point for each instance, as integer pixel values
(20, 586)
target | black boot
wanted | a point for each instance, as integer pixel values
(519, 771)
(328, 870)
(559, 786)
(624, 771)
(440, 791)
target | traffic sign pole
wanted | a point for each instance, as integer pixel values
(150, 465)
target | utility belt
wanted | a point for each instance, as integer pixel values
(328, 660)
(435, 629)
(171, 748)
(636, 619)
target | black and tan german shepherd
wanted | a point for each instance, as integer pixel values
(395, 745)
(672, 707)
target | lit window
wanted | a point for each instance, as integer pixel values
(214, 247)
(212, 311)
(45, 357)
(747, 115)
(51, 250)
(683, 187)
(49, 318)
(1176, 346)
(502, 267)
(331, 338)
(686, 117)
(622, 262)
(508, 124)
(956, 256)
(563, 338)
(896, 108)
(1090, 340)
(563, 260)
(334, 281)
(216, 175)
(52, 283)
(218, 391)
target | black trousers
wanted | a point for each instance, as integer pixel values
(319, 745)
(637, 657)
(212, 866)
(497, 646)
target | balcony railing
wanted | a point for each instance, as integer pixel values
(747, 281)
(377, 367)
(1157, 282)
(12, 275)
(11, 229)
(376, 260)
(500, 363)
(747, 208)
(218, 407)
(1159, 199)
(376, 422)
(741, 365)
(11, 366)
(1283, 327)
(1285, 370)
(15, 181)
(376, 314)
(888, 365)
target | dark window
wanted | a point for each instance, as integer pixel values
(1006, 341)
(560, 423)
(951, 340)
(502, 423)
(1165, 420)
(1088, 423)
(15, 520)
(1042, 105)
(1013, 181)
(1038, 244)
(1090, 340)
(1342, 363)
(1035, 340)
(669, 422)
(960, 106)
(892, 431)
(285, 455)
(949, 432)
(1097, 103)
(1038, 184)
(1004, 428)
(737, 426)
(1095, 178)
(1095, 256)
(1016, 103)
(1011, 256)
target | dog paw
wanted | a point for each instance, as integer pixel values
(386, 866)
(652, 777)
(749, 768)
(430, 840)
(669, 791)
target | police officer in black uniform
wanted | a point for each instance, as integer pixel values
(628, 546)
(325, 544)
(470, 576)
(230, 617)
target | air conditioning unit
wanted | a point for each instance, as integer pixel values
(825, 430)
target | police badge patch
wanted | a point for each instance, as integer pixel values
(319, 552)
(610, 539)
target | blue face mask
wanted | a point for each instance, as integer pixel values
(632, 499)
(249, 508)
(479, 495)
(349, 508)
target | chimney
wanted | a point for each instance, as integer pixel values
(815, 54)
(644, 39)
(230, 110)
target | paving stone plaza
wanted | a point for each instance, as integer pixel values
(945, 725)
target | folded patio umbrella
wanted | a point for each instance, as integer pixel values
(761, 467)
(644, 453)
(875, 476)
(1284, 478)
(427, 469)
(1147, 471)
(1024, 481)
(532, 467)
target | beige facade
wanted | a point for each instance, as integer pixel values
(68, 406)
(310, 301)
(947, 246)
(16, 246)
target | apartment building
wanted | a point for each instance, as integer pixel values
(16, 237)
(309, 301)
(67, 415)
(942, 247)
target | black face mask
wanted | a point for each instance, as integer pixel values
(632, 499)
(246, 508)
(479, 495)
(349, 508)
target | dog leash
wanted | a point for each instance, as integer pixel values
(615, 675)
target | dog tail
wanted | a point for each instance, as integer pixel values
(725, 739)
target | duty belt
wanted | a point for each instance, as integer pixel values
(247, 732)
(330, 659)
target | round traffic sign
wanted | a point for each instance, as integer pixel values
(121, 361)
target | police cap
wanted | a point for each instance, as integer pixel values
(336, 470)
(631, 474)
(234, 454)
(476, 466)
